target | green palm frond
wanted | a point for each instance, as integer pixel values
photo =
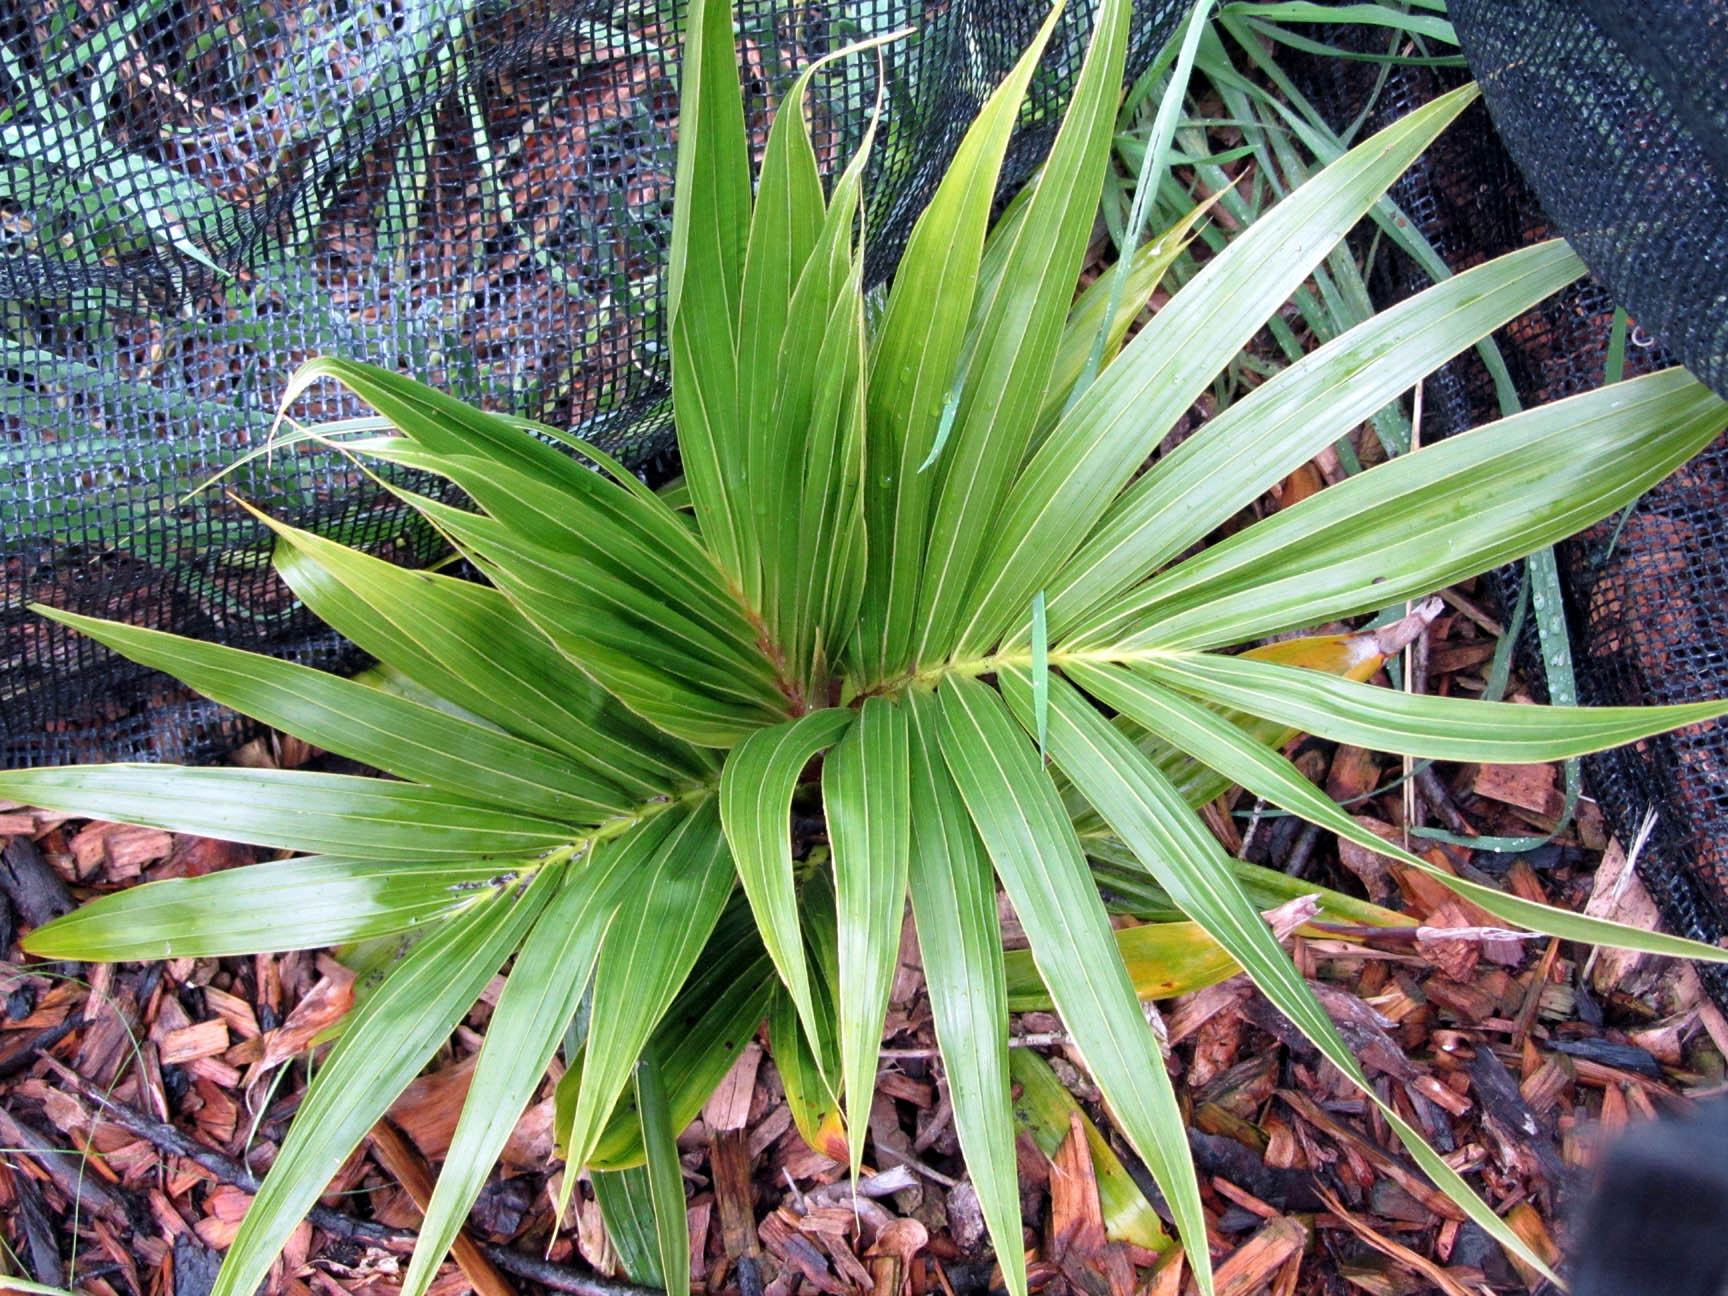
(929, 587)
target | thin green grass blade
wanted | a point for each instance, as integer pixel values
(1033, 848)
(755, 808)
(419, 743)
(960, 940)
(866, 800)
(1018, 336)
(1111, 431)
(1284, 422)
(242, 911)
(394, 1032)
(1427, 519)
(913, 364)
(1150, 818)
(336, 814)
(670, 902)
(1086, 320)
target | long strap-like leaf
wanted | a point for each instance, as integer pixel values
(1216, 742)
(398, 1027)
(1425, 520)
(960, 942)
(334, 814)
(448, 635)
(1289, 419)
(1151, 819)
(1110, 432)
(865, 798)
(668, 909)
(1032, 845)
(755, 807)
(420, 743)
(912, 368)
(241, 911)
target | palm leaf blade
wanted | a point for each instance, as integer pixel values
(755, 807)
(414, 742)
(1175, 847)
(242, 911)
(393, 1034)
(960, 941)
(335, 814)
(1033, 849)
(865, 797)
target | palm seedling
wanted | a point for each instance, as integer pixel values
(929, 588)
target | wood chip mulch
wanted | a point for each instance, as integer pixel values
(138, 1103)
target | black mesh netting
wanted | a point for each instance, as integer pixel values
(194, 198)
(1612, 120)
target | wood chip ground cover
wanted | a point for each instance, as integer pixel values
(139, 1102)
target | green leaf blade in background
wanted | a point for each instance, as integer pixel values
(626, 1202)
(1032, 846)
(665, 1176)
(713, 1017)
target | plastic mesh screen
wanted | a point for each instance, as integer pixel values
(194, 198)
(1646, 596)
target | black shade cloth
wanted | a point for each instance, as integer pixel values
(194, 198)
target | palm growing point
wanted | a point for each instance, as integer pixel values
(927, 576)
